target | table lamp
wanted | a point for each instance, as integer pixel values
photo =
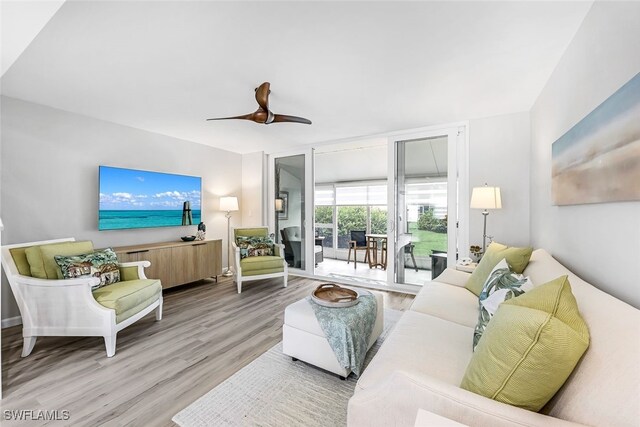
(228, 204)
(485, 198)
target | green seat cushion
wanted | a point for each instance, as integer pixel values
(135, 310)
(517, 258)
(41, 262)
(125, 296)
(254, 263)
(529, 348)
(247, 232)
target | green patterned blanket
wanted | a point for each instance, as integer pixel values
(348, 329)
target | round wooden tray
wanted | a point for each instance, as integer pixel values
(334, 296)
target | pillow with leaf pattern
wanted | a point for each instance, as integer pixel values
(501, 285)
(101, 264)
(254, 246)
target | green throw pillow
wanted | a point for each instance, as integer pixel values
(102, 264)
(501, 285)
(42, 263)
(529, 348)
(517, 258)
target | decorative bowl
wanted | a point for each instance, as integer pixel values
(334, 296)
(188, 238)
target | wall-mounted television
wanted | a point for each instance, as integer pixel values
(132, 198)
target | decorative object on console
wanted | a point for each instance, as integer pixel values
(228, 204)
(263, 115)
(529, 348)
(603, 149)
(188, 238)
(486, 198)
(202, 231)
(101, 264)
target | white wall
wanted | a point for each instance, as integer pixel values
(601, 242)
(253, 189)
(499, 156)
(50, 162)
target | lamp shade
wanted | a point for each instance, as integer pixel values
(279, 205)
(228, 204)
(486, 198)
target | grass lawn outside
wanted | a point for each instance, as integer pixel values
(426, 241)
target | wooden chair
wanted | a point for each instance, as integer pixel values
(358, 241)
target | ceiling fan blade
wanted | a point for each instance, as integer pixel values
(262, 95)
(243, 117)
(282, 118)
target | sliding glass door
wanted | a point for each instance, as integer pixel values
(290, 184)
(426, 195)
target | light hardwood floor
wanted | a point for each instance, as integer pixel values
(208, 332)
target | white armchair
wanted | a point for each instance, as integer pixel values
(261, 267)
(68, 307)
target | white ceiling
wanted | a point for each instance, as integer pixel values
(353, 68)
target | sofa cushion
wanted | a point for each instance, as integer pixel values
(41, 261)
(125, 296)
(255, 231)
(517, 258)
(255, 263)
(423, 344)
(529, 348)
(19, 256)
(448, 302)
(604, 389)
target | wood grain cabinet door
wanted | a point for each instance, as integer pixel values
(205, 256)
(184, 266)
(127, 256)
(160, 268)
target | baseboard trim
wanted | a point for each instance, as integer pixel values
(11, 321)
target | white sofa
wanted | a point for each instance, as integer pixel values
(422, 362)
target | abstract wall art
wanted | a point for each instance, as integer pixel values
(598, 160)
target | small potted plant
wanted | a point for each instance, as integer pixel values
(475, 253)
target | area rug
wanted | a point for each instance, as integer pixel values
(275, 391)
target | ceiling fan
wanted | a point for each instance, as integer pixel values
(263, 115)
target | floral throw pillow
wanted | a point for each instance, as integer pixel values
(501, 285)
(101, 264)
(254, 246)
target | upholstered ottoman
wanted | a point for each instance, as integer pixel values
(303, 338)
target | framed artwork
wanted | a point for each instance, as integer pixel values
(284, 213)
(598, 160)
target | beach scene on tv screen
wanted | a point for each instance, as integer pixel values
(140, 199)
